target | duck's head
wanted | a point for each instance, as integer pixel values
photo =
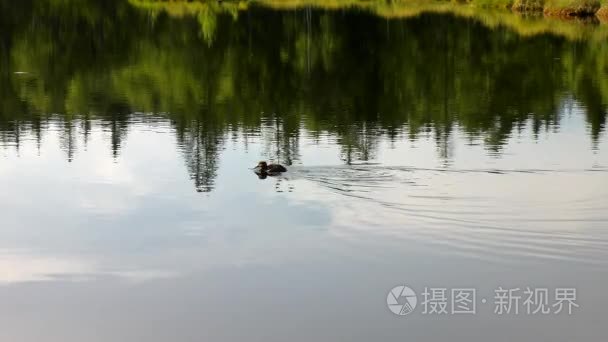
(262, 166)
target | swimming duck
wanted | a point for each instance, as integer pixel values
(264, 168)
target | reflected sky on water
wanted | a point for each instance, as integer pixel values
(419, 152)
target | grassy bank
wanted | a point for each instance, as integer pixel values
(602, 13)
(556, 8)
(571, 18)
(549, 8)
(525, 24)
(571, 8)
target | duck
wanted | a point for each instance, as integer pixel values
(264, 169)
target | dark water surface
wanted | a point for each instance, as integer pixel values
(429, 151)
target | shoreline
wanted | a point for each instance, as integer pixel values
(602, 13)
(560, 8)
(555, 9)
(492, 13)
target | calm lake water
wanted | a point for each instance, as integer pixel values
(434, 151)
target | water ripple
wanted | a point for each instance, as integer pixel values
(442, 206)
